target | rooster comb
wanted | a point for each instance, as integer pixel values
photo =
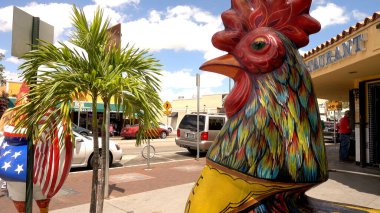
(290, 17)
(24, 89)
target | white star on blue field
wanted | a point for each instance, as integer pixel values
(13, 161)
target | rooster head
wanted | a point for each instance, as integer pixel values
(21, 96)
(253, 42)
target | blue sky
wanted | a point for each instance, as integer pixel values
(177, 32)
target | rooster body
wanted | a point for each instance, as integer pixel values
(271, 149)
(273, 145)
(52, 159)
(277, 134)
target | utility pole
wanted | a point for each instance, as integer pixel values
(198, 136)
(30, 156)
(27, 30)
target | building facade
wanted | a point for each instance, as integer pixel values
(181, 106)
(347, 68)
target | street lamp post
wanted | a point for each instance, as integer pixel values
(198, 136)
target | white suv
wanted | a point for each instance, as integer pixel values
(209, 127)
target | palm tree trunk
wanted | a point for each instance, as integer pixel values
(94, 186)
(103, 156)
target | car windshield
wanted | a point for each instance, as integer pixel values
(190, 122)
(84, 136)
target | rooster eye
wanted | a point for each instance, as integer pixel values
(258, 44)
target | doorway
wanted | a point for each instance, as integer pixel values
(374, 122)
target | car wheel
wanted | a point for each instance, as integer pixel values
(90, 163)
(192, 151)
(84, 133)
(163, 135)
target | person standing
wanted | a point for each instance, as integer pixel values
(345, 132)
(111, 130)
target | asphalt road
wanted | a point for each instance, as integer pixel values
(165, 151)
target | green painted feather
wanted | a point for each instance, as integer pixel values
(277, 134)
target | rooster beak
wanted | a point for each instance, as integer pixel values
(226, 65)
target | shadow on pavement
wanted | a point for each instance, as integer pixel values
(362, 179)
(360, 182)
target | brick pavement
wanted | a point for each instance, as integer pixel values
(166, 186)
(123, 181)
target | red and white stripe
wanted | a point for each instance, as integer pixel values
(52, 158)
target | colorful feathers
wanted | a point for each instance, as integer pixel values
(278, 129)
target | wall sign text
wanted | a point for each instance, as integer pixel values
(342, 51)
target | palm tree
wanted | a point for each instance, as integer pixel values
(2, 80)
(99, 70)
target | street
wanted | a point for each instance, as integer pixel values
(135, 188)
(166, 151)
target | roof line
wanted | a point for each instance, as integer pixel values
(342, 35)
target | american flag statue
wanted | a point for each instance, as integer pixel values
(52, 160)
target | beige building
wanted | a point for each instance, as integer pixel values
(347, 68)
(207, 103)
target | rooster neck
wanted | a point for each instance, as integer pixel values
(276, 134)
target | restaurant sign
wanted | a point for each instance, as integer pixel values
(342, 51)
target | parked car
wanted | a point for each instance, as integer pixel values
(328, 131)
(209, 127)
(168, 127)
(84, 150)
(81, 130)
(131, 132)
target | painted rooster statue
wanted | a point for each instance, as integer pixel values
(52, 159)
(271, 149)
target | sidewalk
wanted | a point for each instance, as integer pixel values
(165, 188)
(348, 183)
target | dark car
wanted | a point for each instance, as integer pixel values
(131, 132)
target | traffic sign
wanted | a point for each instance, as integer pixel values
(167, 105)
(334, 105)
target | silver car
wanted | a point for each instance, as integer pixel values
(84, 149)
(209, 127)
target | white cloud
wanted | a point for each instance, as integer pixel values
(360, 16)
(13, 60)
(319, 1)
(2, 51)
(179, 28)
(182, 83)
(115, 17)
(6, 19)
(115, 3)
(11, 76)
(56, 14)
(301, 51)
(330, 14)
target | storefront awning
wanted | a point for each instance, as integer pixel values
(12, 102)
(87, 107)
